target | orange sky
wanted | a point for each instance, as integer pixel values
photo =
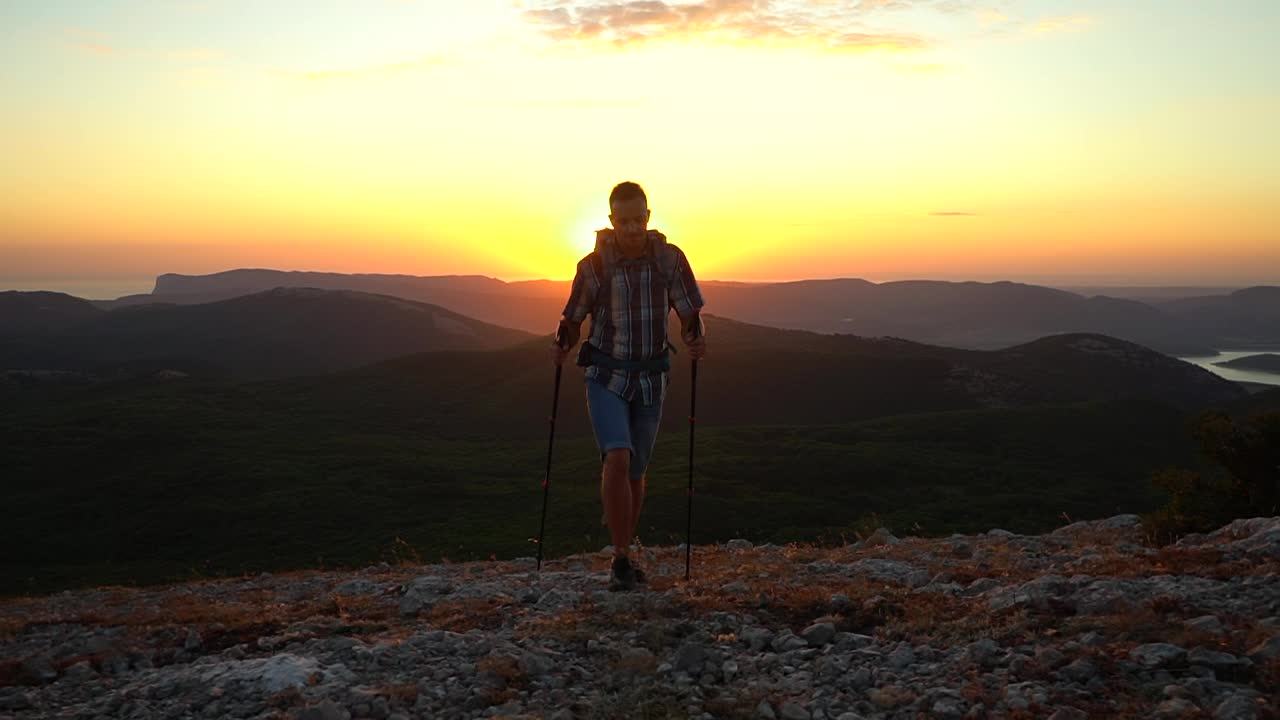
(1046, 141)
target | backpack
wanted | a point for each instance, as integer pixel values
(659, 262)
(663, 270)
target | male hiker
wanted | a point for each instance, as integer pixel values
(627, 285)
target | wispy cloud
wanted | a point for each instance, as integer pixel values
(88, 41)
(833, 24)
(97, 43)
(1001, 18)
(953, 213)
(95, 48)
(991, 16)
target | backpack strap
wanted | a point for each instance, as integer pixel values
(603, 261)
(604, 258)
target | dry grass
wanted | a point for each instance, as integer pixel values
(11, 673)
(402, 693)
(289, 697)
(470, 614)
(636, 664)
(569, 625)
(504, 666)
(365, 608)
(779, 590)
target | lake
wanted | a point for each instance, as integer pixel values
(1235, 374)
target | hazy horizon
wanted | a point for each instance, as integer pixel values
(112, 287)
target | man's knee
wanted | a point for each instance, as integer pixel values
(618, 460)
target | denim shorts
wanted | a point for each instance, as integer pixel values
(621, 424)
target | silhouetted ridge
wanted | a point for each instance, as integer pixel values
(40, 311)
(1245, 318)
(1266, 362)
(283, 331)
(1095, 367)
(245, 281)
(957, 314)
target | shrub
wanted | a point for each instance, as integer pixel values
(1245, 483)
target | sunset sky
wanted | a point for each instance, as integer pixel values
(1052, 141)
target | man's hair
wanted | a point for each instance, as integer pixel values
(625, 191)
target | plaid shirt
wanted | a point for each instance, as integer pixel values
(636, 326)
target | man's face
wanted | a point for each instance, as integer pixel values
(630, 219)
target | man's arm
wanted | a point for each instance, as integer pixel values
(693, 333)
(567, 335)
(692, 325)
(686, 298)
(569, 330)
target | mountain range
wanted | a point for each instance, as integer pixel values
(827, 377)
(957, 314)
(274, 333)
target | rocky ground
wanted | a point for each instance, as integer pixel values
(1083, 622)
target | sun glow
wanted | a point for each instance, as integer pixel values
(459, 138)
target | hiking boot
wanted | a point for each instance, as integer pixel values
(622, 576)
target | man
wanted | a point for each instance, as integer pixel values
(627, 285)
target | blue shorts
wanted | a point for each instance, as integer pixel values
(621, 424)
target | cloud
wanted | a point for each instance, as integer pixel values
(96, 43)
(953, 213)
(89, 41)
(1006, 23)
(991, 16)
(96, 48)
(834, 24)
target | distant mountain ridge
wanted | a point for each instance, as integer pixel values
(1245, 318)
(826, 377)
(1264, 362)
(760, 375)
(299, 331)
(279, 332)
(42, 311)
(252, 280)
(956, 314)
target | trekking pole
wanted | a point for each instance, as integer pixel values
(693, 411)
(546, 481)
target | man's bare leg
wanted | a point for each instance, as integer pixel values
(616, 494)
(637, 500)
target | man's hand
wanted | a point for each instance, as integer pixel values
(565, 338)
(558, 354)
(694, 337)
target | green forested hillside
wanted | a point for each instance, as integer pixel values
(151, 482)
